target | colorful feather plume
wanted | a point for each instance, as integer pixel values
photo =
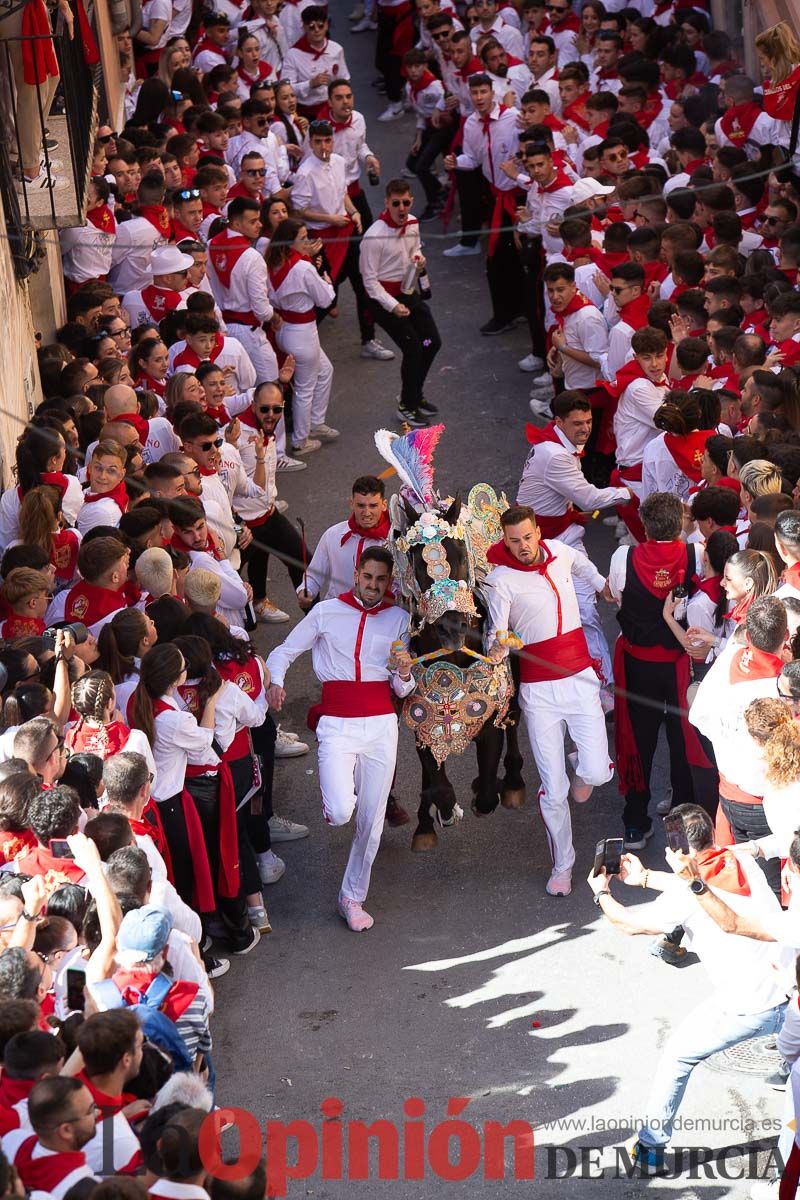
(411, 455)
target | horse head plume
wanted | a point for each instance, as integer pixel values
(411, 455)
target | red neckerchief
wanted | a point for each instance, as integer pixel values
(349, 598)
(159, 386)
(244, 676)
(39, 861)
(555, 185)
(12, 845)
(14, 1090)
(791, 575)
(791, 274)
(54, 479)
(389, 220)
(738, 120)
(158, 217)
(711, 587)
(536, 435)
(160, 301)
(499, 555)
(486, 122)
(553, 122)
(15, 626)
(654, 272)
(221, 415)
(119, 495)
(634, 313)
(790, 349)
(64, 547)
(720, 867)
(208, 209)
(207, 44)
(739, 610)
(239, 189)
(307, 48)
(625, 377)
(138, 422)
(45, 1172)
(108, 1105)
(575, 111)
(780, 98)
(224, 251)
(607, 73)
(325, 114)
(180, 233)
(278, 274)
(570, 23)
(652, 108)
(425, 80)
(728, 66)
(88, 603)
(687, 451)
(264, 70)
(577, 302)
(190, 358)
(748, 219)
(755, 320)
(102, 218)
(210, 547)
(473, 67)
(749, 664)
(379, 532)
(103, 741)
(659, 566)
(608, 259)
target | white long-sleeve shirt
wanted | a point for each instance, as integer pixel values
(384, 255)
(508, 37)
(247, 290)
(301, 290)
(552, 478)
(525, 601)
(517, 80)
(300, 67)
(489, 150)
(232, 354)
(350, 143)
(179, 741)
(321, 187)
(346, 643)
(633, 421)
(86, 252)
(585, 329)
(660, 472)
(425, 101)
(267, 146)
(130, 257)
(71, 505)
(333, 565)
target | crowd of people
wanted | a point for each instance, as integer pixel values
(642, 206)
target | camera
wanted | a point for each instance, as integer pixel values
(79, 634)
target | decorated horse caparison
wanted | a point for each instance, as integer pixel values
(439, 548)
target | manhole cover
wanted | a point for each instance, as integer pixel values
(749, 1058)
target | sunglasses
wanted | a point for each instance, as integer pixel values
(773, 220)
(262, 121)
(271, 408)
(206, 446)
(618, 290)
(188, 194)
(109, 137)
(319, 127)
(440, 37)
(315, 24)
(260, 171)
(555, 8)
(400, 203)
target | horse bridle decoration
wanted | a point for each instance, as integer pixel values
(444, 594)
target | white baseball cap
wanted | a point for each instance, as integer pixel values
(166, 260)
(584, 189)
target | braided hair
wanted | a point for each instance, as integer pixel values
(90, 699)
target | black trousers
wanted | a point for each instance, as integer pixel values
(747, 821)
(417, 338)
(351, 271)
(242, 773)
(258, 823)
(232, 911)
(473, 200)
(532, 264)
(386, 61)
(655, 682)
(505, 276)
(280, 537)
(174, 823)
(433, 143)
(362, 204)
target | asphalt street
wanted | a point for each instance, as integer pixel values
(473, 982)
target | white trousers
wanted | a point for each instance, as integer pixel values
(257, 346)
(357, 757)
(313, 376)
(550, 709)
(590, 619)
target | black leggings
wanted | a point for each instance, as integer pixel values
(417, 337)
(280, 537)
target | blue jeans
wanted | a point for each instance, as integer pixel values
(702, 1033)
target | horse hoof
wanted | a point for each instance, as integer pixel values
(514, 798)
(422, 842)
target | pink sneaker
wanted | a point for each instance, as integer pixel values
(559, 885)
(357, 920)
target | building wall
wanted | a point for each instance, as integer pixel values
(20, 391)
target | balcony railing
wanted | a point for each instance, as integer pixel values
(70, 123)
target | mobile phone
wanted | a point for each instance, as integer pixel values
(676, 834)
(59, 848)
(608, 855)
(76, 982)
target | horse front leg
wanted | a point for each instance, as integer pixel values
(512, 789)
(437, 798)
(488, 749)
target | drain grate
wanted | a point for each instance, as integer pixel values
(747, 1058)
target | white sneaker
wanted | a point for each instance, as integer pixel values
(559, 885)
(41, 183)
(393, 112)
(531, 362)
(281, 829)
(259, 919)
(459, 251)
(269, 614)
(270, 867)
(286, 463)
(281, 505)
(288, 745)
(363, 25)
(306, 447)
(374, 349)
(324, 433)
(540, 408)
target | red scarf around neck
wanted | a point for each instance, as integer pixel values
(389, 220)
(378, 533)
(350, 599)
(721, 869)
(102, 218)
(305, 45)
(749, 664)
(659, 566)
(499, 555)
(635, 312)
(158, 217)
(425, 80)
(625, 377)
(575, 111)
(278, 274)
(737, 121)
(780, 98)
(159, 301)
(577, 302)
(118, 494)
(89, 603)
(224, 252)
(687, 451)
(138, 422)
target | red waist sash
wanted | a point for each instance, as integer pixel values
(240, 318)
(297, 318)
(551, 527)
(345, 698)
(555, 658)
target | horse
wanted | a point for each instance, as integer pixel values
(461, 696)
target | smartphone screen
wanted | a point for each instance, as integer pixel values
(676, 834)
(59, 848)
(76, 981)
(612, 859)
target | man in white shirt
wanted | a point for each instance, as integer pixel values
(350, 142)
(542, 63)
(152, 302)
(156, 436)
(193, 536)
(340, 548)
(355, 653)
(313, 62)
(137, 238)
(491, 137)
(489, 21)
(751, 980)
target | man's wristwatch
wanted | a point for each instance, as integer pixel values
(29, 916)
(698, 886)
(596, 897)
